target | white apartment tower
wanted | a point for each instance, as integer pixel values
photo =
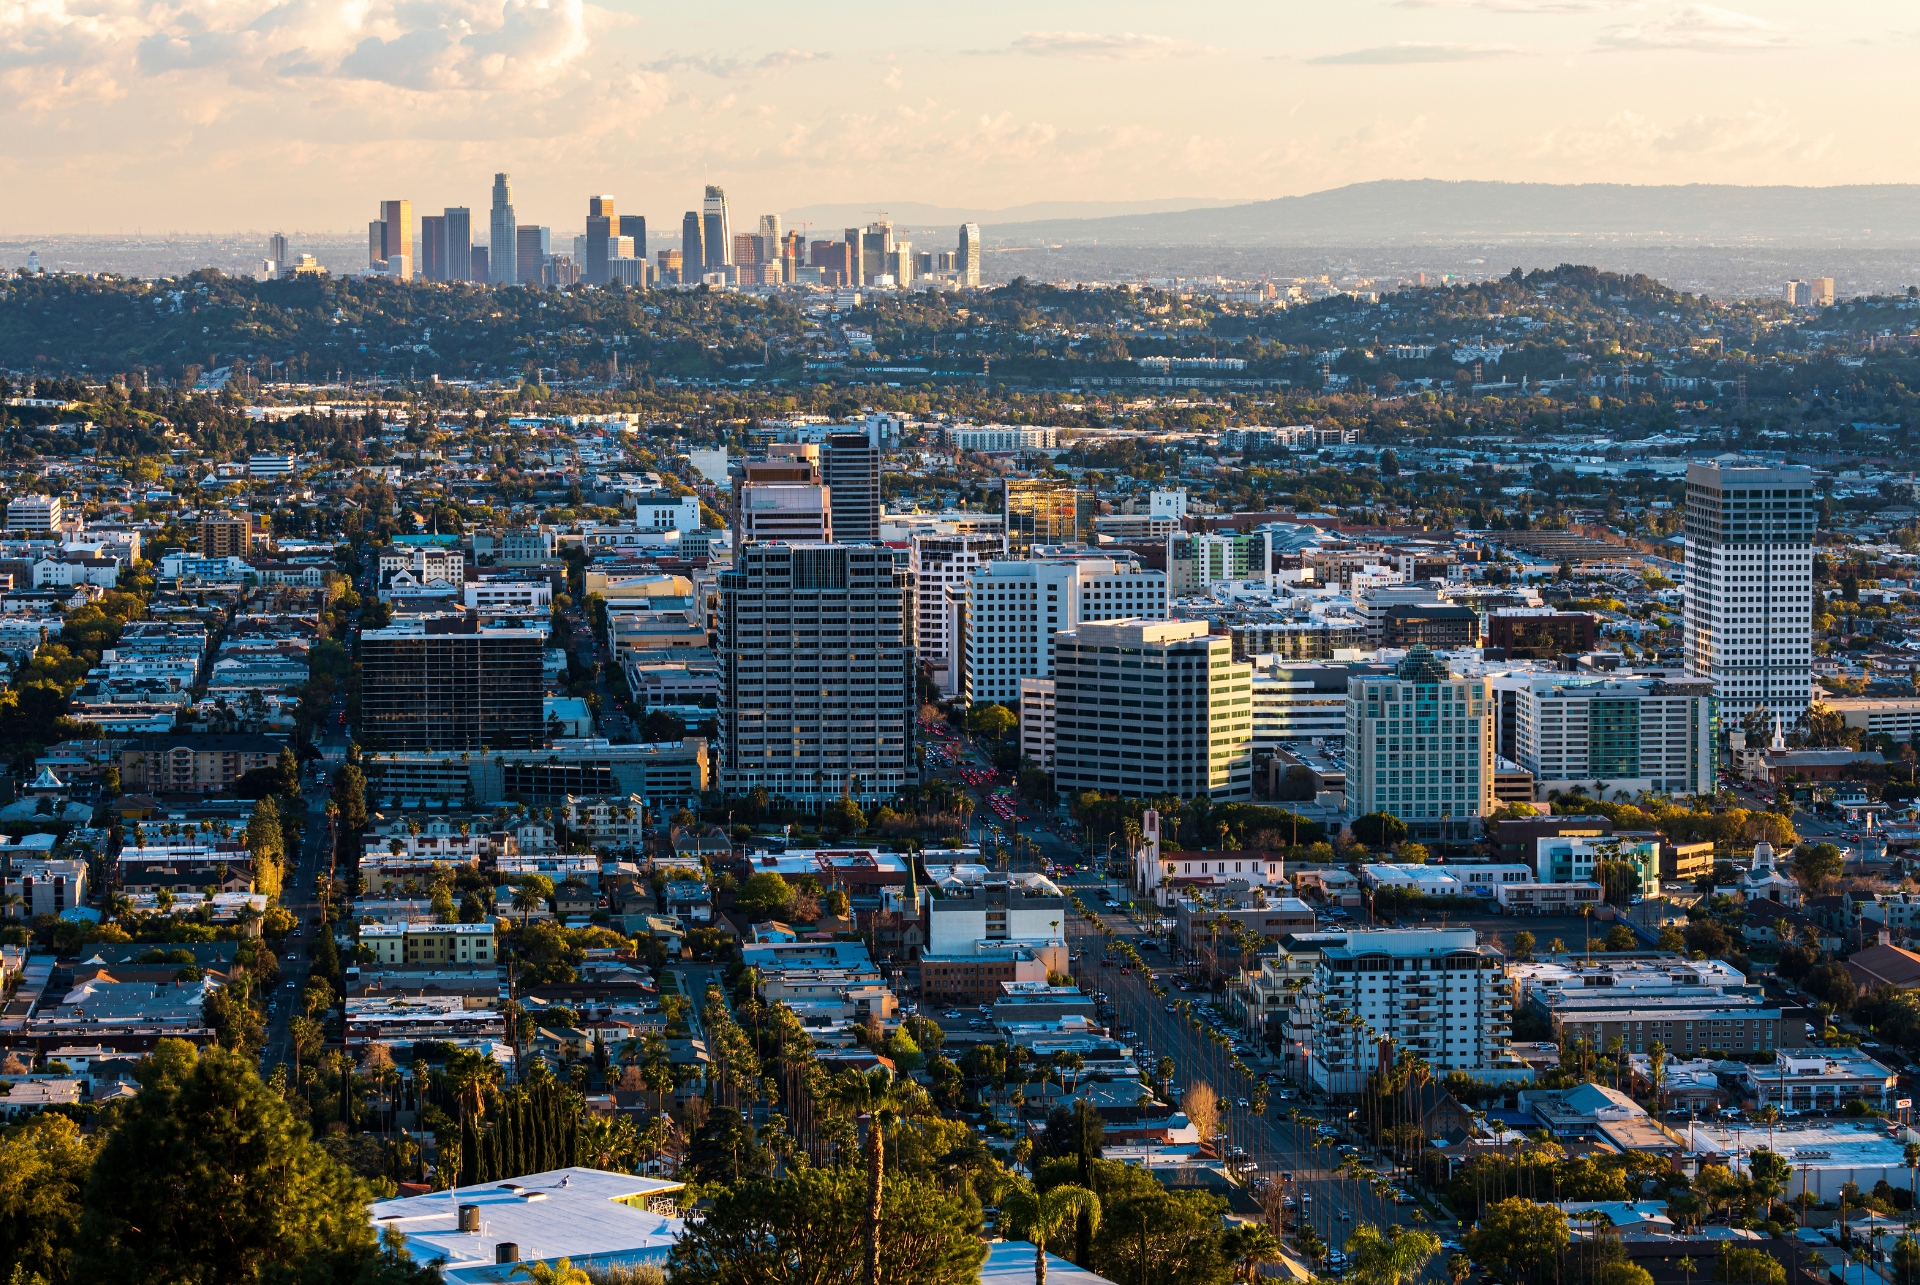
(1749, 592)
(1014, 610)
(941, 563)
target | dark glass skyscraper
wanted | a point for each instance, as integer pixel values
(635, 226)
(600, 226)
(719, 237)
(850, 466)
(458, 230)
(452, 687)
(693, 247)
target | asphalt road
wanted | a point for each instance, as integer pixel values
(297, 895)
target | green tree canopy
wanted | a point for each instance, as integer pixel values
(1379, 829)
(765, 895)
(1519, 1240)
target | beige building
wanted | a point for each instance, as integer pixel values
(432, 946)
(193, 762)
(1420, 746)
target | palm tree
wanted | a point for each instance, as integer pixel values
(883, 1101)
(562, 1272)
(1399, 1255)
(1253, 1246)
(1687, 1268)
(1039, 1216)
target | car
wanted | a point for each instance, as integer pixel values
(1243, 1104)
(289, 986)
(292, 959)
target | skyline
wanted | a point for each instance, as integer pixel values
(263, 114)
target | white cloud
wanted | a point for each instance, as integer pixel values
(737, 69)
(1526, 6)
(1701, 28)
(1096, 47)
(1410, 51)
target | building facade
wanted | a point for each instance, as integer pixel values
(819, 678)
(1607, 734)
(459, 688)
(1749, 590)
(1015, 609)
(940, 564)
(1150, 708)
(1420, 746)
(1046, 511)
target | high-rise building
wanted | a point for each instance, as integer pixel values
(718, 237)
(835, 257)
(900, 262)
(968, 265)
(531, 244)
(376, 244)
(1749, 590)
(671, 263)
(277, 249)
(1013, 610)
(1799, 294)
(502, 261)
(397, 218)
(940, 565)
(433, 247)
(635, 226)
(452, 685)
(1189, 729)
(600, 225)
(1822, 292)
(818, 680)
(478, 257)
(234, 537)
(693, 247)
(1614, 732)
(1435, 993)
(770, 226)
(850, 467)
(1420, 745)
(790, 511)
(457, 227)
(1046, 511)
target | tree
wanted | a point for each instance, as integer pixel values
(1249, 1245)
(1769, 827)
(765, 895)
(1039, 1216)
(883, 1101)
(1814, 864)
(1620, 937)
(843, 816)
(1390, 1258)
(1833, 984)
(1519, 1240)
(805, 1228)
(1202, 1106)
(350, 795)
(530, 893)
(43, 1172)
(208, 1177)
(1379, 829)
(1745, 1266)
(995, 722)
(1523, 944)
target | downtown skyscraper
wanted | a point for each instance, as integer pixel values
(715, 230)
(502, 261)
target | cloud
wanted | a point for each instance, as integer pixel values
(1090, 46)
(1701, 28)
(1409, 51)
(1526, 6)
(736, 69)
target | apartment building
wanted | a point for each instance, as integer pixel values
(1039, 713)
(1149, 708)
(432, 946)
(452, 685)
(34, 514)
(1015, 610)
(999, 914)
(1623, 733)
(193, 762)
(941, 564)
(1435, 993)
(1420, 746)
(1301, 702)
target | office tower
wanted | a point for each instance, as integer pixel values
(1046, 511)
(1799, 294)
(746, 250)
(670, 264)
(433, 247)
(969, 254)
(376, 244)
(770, 226)
(398, 218)
(618, 247)
(835, 257)
(900, 264)
(1189, 730)
(530, 245)
(1434, 993)
(452, 685)
(940, 565)
(1420, 745)
(1749, 590)
(600, 226)
(1822, 290)
(503, 264)
(1631, 733)
(456, 224)
(717, 235)
(277, 250)
(1013, 611)
(635, 226)
(477, 260)
(693, 247)
(818, 681)
(851, 468)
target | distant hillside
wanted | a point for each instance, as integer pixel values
(919, 214)
(1428, 210)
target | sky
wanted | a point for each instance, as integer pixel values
(218, 115)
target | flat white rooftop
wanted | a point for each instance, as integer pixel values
(588, 1215)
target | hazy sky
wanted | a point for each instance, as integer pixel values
(233, 114)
